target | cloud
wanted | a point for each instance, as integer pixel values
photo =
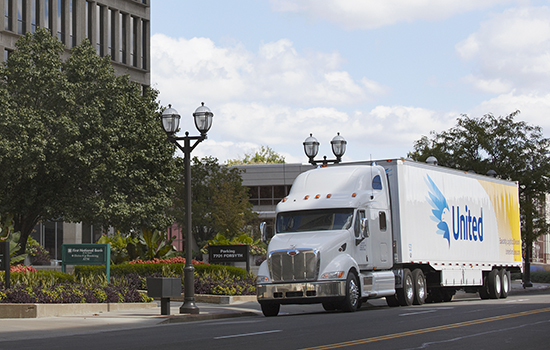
(510, 51)
(277, 73)
(369, 14)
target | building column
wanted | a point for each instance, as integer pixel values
(79, 21)
(41, 20)
(104, 30)
(27, 16)
(127, 38)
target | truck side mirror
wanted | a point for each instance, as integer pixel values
(364, 228)
(263, 231)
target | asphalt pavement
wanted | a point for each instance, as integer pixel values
(47, 327)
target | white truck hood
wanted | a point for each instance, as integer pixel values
(320, 240)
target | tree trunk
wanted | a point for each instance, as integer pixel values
(24, 224)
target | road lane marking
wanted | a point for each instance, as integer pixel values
(247, 334)
(418, 313)
(427, 330)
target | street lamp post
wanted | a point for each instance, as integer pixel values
(170, 124)
(311, 148)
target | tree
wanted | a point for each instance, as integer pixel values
(515, 150)
(219, 200)
(79, 143)
(265, 155)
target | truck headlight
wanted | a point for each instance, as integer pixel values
(332, 275)
(261, 279)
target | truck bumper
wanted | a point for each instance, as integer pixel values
(301, 293)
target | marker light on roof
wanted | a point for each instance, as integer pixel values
(354, 195)
(317, 196)
(306, 197)
(329, 195)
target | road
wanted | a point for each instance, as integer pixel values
(521, 321)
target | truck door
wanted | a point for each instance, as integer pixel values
(362, 246)
(380, 238)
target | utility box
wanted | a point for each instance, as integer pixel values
(164, 288)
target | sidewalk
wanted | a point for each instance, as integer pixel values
(47, 327)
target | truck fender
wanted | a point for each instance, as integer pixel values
(263, 270)
(343, 262)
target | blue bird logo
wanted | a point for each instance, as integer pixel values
(440, 209)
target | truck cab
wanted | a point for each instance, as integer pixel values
(332, 242)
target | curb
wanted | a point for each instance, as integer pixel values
(217, 299)
(55, 310)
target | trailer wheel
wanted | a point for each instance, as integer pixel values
(494, 284)
(405, 295)
(484, 289)
(506, 283)
(270, 309)
(352, 302)
(419, 287)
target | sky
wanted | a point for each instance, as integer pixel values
(381, 73)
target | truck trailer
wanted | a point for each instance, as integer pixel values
(407, 231)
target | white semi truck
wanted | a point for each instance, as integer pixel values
(407, 231)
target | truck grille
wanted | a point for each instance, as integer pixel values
(294, 265)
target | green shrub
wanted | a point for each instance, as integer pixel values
(39, 278)
(145, 270)
(540, 276)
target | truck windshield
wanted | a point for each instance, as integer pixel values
(314, 220)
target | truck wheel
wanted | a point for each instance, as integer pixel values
(405, 295)
(506, 283)
(419, 287)
(484, 289)
(270, 309)
(352, 302)
(494, 284)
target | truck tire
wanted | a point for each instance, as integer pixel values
(494, 284)
(352, 302)
(270, 309)
(405, 295)
(419, 287)
(484, 289)
(505, 282)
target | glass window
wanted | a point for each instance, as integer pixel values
(357, 225)
(314, 220)
(377, 183)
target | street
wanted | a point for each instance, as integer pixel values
(466, 323)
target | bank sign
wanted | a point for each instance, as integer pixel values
(87, 254)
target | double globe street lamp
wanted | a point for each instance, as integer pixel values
(311, 148)
(170, 124)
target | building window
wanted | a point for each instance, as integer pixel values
(47, 14)
(133, 41)
(21, 13)
(267, 195)
(61, 20)
(111, 34)
(99, 29)
(34, 15)
(7, 14)
(144, 39)
(123, 43)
